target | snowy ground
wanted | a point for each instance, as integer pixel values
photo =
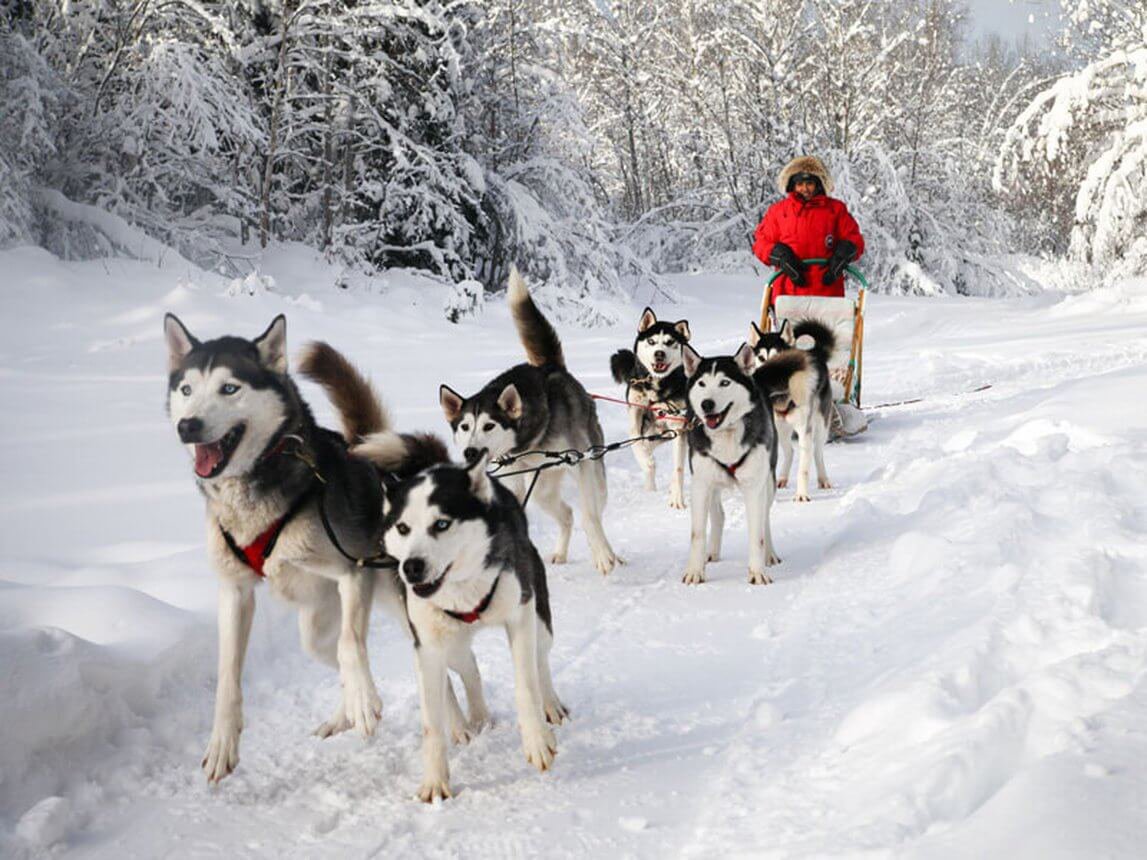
(951, 662)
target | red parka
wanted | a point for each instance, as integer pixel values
(811, 228)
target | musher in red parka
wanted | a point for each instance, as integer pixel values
(807, 223)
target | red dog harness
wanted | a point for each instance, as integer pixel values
(256, 553)
(475, 613)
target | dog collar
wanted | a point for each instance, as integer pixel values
(256, 553)
(732, 470)
(475, 613)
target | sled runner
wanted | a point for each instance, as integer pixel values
(846, 318)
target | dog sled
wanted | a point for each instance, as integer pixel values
(846, 318)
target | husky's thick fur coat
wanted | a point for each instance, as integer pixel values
(654, 383)
(258, 456)
(733, 444)
(465, 554)
(538, 405)
(241, 418)
(793, 375)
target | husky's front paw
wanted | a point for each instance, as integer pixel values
(337, 724)
(222, 754)
(605, 560)
(824, 483)
(556, 712)
(433, 789)
(361, 704)
(693, 577)
(782, 483)
(759, 578)
(802, 497)
(540, 746)
(559, 558)
(677, 499)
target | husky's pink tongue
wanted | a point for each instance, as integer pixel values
(207, 457)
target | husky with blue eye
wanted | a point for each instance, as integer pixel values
(257, 454)
(732, 444)
(466, 559)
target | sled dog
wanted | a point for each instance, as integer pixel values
(793, 374)
(732, 444)
(467, 562)
(654, 383)
(538, 405)
(257, 453)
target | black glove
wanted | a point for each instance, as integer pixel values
(843, 254)
(783, 258)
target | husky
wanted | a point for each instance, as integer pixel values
(467, 562)
(538, 405)
(732, 443)
(257, 455)
(793, 374)
(654, 383)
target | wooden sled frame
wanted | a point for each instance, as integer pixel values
(856, 354)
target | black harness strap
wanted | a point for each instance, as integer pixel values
(731, 470)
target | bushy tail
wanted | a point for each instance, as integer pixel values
(359, 407)
(537, 335)
(823, 337)
(623, 366)
(402, 454)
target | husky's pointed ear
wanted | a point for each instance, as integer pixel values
(451, 402)
(272, 345)
(746, 359)
(648, 318)
(786, 332)
(755, 334)
(179, 341)
(480, 484)
(510, 402)
(690, 359)
(682, 327)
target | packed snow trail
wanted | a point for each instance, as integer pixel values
(950, 662)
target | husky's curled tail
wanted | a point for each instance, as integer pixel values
(543, 348)
(366, 423)
(358, 405)
(824, 340)
(623, 366)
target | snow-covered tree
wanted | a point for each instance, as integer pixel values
(1082, 141)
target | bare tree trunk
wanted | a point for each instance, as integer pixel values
(273, 142)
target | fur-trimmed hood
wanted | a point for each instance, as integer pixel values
(805, 164)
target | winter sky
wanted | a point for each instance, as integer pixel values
(1012, 19)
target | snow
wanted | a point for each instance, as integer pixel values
(951, 662)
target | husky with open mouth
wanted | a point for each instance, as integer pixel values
(257, 455)
(733, 444)
(792, 372)
(654, 383)
(538, 405)
(466, 558)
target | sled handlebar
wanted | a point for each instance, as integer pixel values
(823, 261)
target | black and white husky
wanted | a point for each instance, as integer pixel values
(732, 444)
(250, 436)
(465, 555)
(538, 405)
(654, 383)
(793, 374)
